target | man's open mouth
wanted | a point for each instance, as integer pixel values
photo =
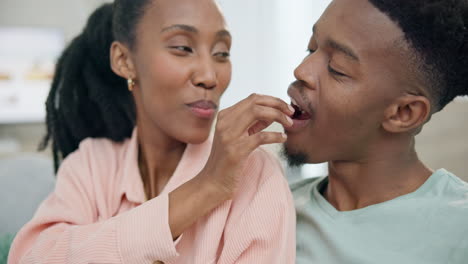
(299, 114)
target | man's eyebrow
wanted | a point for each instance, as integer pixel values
(343, 49)
(338, 46)
(187, 28)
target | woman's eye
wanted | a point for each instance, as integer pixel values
(223, 54)
(336, 73)
(182, 48)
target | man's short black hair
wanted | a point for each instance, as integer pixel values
(436, 31)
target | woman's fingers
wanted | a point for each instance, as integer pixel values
(274, 102)
(257, 127)
(264, 100)
(268, 115)
(263, 138)
(255, 108)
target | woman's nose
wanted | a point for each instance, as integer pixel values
(205, 74)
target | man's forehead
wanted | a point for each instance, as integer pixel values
(360, 25)
(370, 34)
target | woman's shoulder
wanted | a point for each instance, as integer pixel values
(264, 164)
(263, 174)
(96, 155)
(263, 190)
(102, 147)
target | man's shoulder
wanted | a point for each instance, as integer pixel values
(304, 186)
(451, 185)
(455, 180)
(456, 191)
(445, 202)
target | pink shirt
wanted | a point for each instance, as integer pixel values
(98, 213)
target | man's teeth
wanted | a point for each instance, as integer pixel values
(298, 108)
(293, 101)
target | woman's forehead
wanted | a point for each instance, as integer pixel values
(196, 13)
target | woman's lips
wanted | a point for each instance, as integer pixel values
(203, 109)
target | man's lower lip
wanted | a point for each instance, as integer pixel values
(297, 125)
(203, 113)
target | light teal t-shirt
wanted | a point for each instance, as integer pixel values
(427, 226)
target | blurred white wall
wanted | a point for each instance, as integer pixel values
(67, 15)
(270, 40)
(270, 36)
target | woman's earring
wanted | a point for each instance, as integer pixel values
(131, 84)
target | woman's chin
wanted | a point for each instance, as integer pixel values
(196, 137)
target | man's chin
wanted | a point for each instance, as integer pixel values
(293, 157)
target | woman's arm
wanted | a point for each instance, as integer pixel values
(66, 228)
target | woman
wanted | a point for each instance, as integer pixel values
(147, 185)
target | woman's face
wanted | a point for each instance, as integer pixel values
(182, 67)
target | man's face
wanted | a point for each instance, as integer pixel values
(355, 70)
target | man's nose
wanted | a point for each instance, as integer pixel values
(307, 72)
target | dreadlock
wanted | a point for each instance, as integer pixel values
(87, 99)
(437, 30)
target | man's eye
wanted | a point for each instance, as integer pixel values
(336, 73)
(310, 51)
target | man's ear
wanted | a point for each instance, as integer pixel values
(407, 113)
(121, 61)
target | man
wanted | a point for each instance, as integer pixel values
(377, 71)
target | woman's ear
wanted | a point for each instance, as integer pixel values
(121, 62)
(407, 113)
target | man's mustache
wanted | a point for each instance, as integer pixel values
(298, 85)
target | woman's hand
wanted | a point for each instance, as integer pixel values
(239, 131)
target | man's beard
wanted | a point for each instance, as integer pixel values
(294, 159)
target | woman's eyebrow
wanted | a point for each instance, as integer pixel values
(223, 34)
(183, 27)
(191, 29)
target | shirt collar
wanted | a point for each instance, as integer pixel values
(132, 185)
(191, 163)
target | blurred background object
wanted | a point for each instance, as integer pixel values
(270, 40)
(28, 55)
(26, 180)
